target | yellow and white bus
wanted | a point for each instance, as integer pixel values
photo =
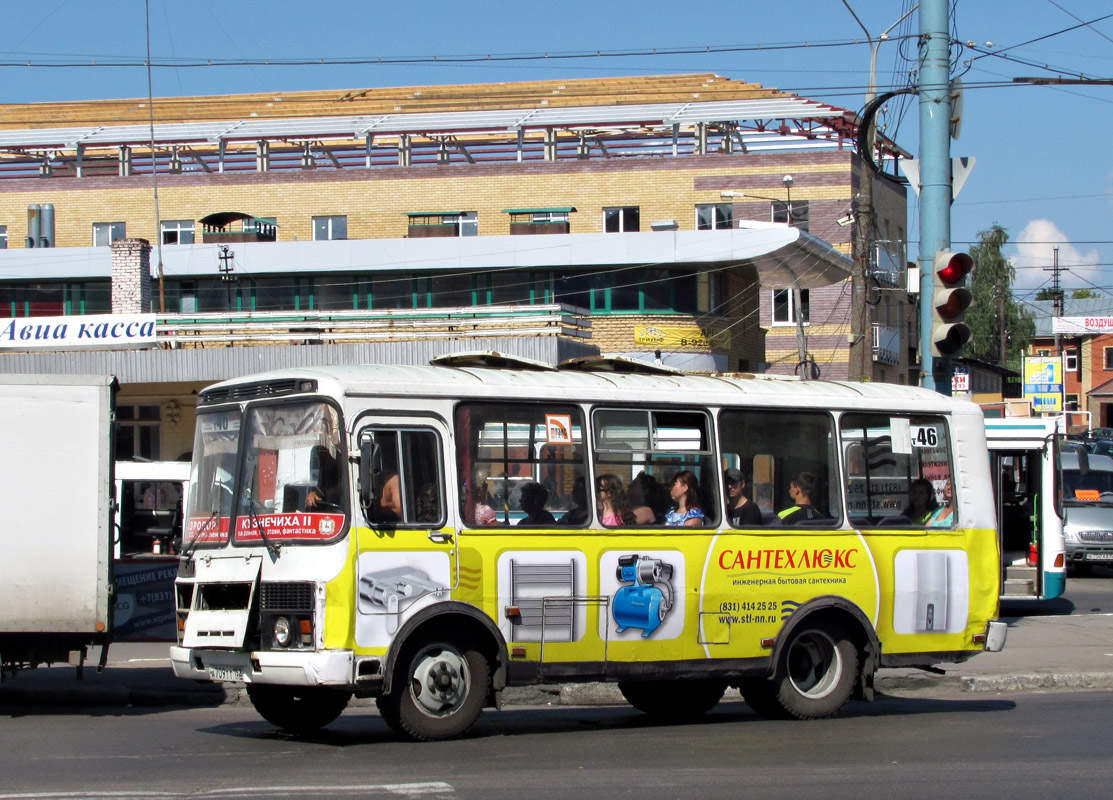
(429, 535)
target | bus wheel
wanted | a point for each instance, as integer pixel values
(439, 690)
(814, 677)
(298, 709)
(675, 700)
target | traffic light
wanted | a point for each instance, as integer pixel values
(949, 300)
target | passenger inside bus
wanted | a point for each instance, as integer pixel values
(742, 511)
(684, 492)
(921, 501)
(647, 499)
(614, 506)
(800, 489)
(578, 513)
(534, 496)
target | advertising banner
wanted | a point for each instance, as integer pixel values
(145, 600)
(1043, 383)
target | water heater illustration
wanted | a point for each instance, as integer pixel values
(643, 603)
(931, 591)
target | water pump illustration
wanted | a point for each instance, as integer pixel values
(643, 603)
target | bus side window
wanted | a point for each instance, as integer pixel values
(503, 447)
(896, 468)
(787, 459)
(644, 449)
(411, 492)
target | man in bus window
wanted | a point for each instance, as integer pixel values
(800, 489)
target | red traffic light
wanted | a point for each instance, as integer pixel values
(952, 268)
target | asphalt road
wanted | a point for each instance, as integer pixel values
(1020, 745)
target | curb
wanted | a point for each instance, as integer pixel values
(74, 693)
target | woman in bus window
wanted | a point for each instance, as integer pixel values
(614, 507)
(944, 516)
(684, 491)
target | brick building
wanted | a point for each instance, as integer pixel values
(1083, 335)
(689, 215)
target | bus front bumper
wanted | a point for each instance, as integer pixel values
(294, 668)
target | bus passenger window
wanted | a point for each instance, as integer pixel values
(522, 461)
(782, 464)
(641, 451)
(898, 470)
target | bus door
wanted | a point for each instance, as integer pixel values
(408, 544)
(1029, 527)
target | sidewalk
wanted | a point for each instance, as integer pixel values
(1051, 652)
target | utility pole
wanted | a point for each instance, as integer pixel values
(860, 365)
(935, 175)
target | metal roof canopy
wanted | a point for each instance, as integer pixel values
(424, 123)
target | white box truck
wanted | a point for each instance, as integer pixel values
(56, 475)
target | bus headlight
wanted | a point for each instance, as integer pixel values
(282, 632)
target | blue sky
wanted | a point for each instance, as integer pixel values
(1044, 170)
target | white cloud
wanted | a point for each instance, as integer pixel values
(1035, 251)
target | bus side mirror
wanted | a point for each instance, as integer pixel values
(370, 470)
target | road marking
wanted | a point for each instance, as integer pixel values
(426, 789)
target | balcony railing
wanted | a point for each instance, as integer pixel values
(346, 327)
(886, 344)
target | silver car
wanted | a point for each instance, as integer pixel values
(1088, 509)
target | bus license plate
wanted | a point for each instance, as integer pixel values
(1099, 556)
(225, 673)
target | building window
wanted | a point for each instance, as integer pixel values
(137, 432)
(105, 233)
(784, 307)
(178, 231)
(1108, 357)
(622, 219)
(448, 223)
(3, 237)
(539, 220)
(326, 228)
(794, 214)
(1071, 402)
(714, 216)
(1070, 360)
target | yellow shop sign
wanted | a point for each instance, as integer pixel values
(677, 336)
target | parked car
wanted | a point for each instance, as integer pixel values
(1102, 447)
(1087, 509)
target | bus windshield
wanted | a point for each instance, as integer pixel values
(1095, 487)
(214, 463)
(291, 484)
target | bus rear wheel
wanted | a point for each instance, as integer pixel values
(439, 690)
(298, 709)
(673, 701)
(814, 677)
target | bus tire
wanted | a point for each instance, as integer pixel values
(298, 709)
(674, 700)
(439, 690)
(814, 678)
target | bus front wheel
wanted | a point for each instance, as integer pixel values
(298, 709)
(439, 690)
(814, 677)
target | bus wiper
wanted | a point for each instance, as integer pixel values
(249, 492)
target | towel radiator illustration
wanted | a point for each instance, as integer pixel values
(542, 595)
